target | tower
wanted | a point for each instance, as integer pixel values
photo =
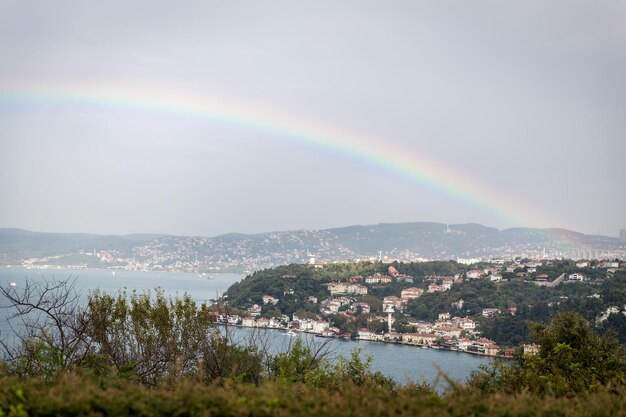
(389, 309)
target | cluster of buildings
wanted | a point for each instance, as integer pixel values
(451, 333)
(447, 332)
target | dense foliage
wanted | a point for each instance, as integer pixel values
(571, 359)
(77, 395)
(152, 356)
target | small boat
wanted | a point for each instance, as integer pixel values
(291, 333)
(112, 272)
(13, 284)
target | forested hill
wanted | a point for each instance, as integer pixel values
(514, 296)
(246, 253)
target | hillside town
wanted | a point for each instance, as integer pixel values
(390, 324)
(248, 253)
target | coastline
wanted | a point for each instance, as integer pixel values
(357, 339)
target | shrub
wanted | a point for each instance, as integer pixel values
(571, 359)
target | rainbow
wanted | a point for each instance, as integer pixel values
(352, 145)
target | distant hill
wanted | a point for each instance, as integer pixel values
(240, 252)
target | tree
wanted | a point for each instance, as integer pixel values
(571, 359)
(50, 329)
(150, 336)
(301, 362)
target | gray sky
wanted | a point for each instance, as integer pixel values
(527, 98)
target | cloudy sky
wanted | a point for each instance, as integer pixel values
(516, 110)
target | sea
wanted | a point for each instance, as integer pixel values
(402, 363)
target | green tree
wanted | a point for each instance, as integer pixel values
(571, 359)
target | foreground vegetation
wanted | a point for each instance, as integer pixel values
(136, 354)
(77, 395)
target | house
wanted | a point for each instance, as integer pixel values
(490, 312)
(542, 277)
(404, 278)
(373, 279)
(392, 301)
(262, 322)
(448, 331)
(355, 279)
(443, 316)
(338, 288)
(311, 299)
(435, 288)
(577, 277)
(378, 279)
(530, 349)
(419, 339)
(393, 336)
(254, 311)
(420, 326)
(457, 304)
(464, 323)
(357, 289)
(365, 334)
(495, 278)
(411, 293)
(481, 344)
(275, 323)
(492, 350)
(268, 299)
(319, 326)
(248, 322)
(333, 306)
(509, 353)
(512, 310)
(385, 279)
(363, 307)
(463, 343)
(474, 274)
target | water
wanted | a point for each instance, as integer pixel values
(172, 283)
(402, 363)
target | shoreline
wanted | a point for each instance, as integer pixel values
(392, 342)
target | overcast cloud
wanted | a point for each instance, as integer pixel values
(527, 97)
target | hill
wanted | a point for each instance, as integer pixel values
(245, 253)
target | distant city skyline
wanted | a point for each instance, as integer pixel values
(213, 117)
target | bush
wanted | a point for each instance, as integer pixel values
(572, 359)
